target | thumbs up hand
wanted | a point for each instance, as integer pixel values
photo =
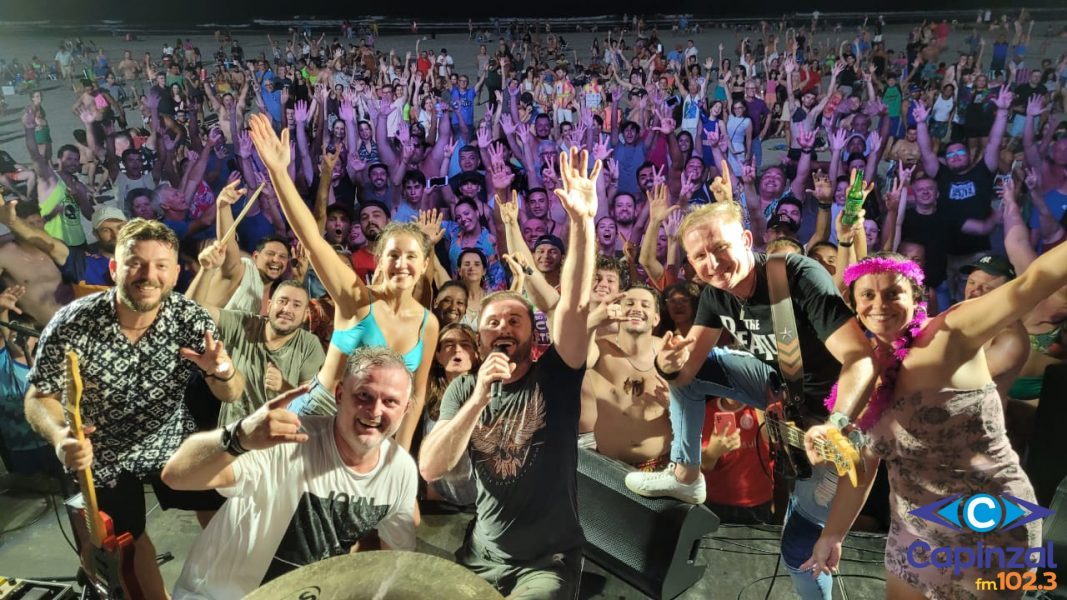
(272, 379)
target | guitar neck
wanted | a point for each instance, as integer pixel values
(788, 433)
(93, 522)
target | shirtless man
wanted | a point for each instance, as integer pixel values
(632, 424)
(60, 194)
(32, 260)
(230, 111)
(131, 73)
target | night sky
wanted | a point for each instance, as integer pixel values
(200, 11)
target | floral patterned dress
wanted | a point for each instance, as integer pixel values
(938, 444)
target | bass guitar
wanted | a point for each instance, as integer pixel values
(786, 436)
(106, 558)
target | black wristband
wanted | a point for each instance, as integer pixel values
(217, 378)
(665, 375)
(807, 150)
(844, 244)
(826, 206)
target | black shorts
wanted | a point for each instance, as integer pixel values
(125, 503)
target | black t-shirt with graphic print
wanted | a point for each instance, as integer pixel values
(817, 307)
(525, 456)
(963, 196)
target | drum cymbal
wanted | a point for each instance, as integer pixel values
(379, 575)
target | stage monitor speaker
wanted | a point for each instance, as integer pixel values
(1044, 457)
(650, 543)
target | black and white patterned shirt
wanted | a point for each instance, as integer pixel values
(132, 393)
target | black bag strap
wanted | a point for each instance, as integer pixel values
(790, 361)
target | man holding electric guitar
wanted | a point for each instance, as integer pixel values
(137, 345)
(739, 300)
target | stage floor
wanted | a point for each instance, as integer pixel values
(737, 557)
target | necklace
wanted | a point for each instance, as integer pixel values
(890, 361)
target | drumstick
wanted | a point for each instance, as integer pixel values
(232, 231)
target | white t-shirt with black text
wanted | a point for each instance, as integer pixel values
(295, 504)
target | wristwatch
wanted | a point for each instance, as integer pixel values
(229, 441)
(853, 433)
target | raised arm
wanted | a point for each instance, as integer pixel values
(578, 196)
(301, 113)
(20, 228)
(337, 277)
(991, 155)
(926, 147)
(658, 210)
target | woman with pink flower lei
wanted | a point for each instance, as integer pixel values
(935, 418)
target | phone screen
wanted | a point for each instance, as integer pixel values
(725, 423)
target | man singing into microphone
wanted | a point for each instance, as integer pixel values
(526, 539)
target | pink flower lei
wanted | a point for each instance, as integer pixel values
(883, 394)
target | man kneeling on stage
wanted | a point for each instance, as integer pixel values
(301, 489)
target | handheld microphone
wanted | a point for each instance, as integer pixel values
(495, 387)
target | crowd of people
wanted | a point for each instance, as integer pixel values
(315, 287)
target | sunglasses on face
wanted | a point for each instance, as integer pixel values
(955, 153)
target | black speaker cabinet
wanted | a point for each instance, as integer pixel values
(650, 543)
(1044, 458)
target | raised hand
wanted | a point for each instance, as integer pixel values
(346, 111)
(355, 163)
(329, 162)
(485, 137)
(607, 310)
(722, 187)
(578, 193)
(748, 173)
(507, 124)
(688, 186)
(273, 151)
(301, 112)
(840, 136)
(846, 233)
(212, 256)
(213, 361)
(805, 136)
(244, 144)
(273, 423)
(429, 222)
(7, 211)
(824, 191)
(674, 353)
(1036, 105)
(602, 149)
(920, 112)
(673, 222)
(9, 298)
(509, 209)
(230, 194)
(657, 204)
(519, 270)
(85, 115)
(711, 137)
(868, 187)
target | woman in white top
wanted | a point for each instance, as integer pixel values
(739, 132)
(942, 112)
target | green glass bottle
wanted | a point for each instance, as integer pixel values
(854, 199)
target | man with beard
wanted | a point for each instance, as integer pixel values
(377, 187)
(90, 266)
(966, 194)
(138, 345)
(630, 399)
(450, 304)
(526, 538)
(273, 352)
(623, 212)
(373, 217)
(538, 206)
(301, 489)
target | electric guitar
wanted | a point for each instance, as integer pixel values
(789, 439)
(106, 558)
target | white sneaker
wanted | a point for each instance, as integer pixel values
(663, 483)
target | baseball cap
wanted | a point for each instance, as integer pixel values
(368, 203)
(781, 221)
(996, 265)
(107, 213)
(552, 240)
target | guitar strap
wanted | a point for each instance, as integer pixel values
(790, 361)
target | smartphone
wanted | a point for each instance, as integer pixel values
(725, 423)
(437, 182)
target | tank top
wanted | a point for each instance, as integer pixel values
(367, 333)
